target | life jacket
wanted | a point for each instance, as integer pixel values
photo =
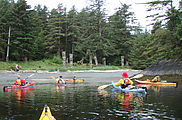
(18, 81)
(158, 78)
(126, 81)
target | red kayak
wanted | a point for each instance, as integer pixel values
(19, 87)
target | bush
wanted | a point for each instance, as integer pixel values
(56, 60)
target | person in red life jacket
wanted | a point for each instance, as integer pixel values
(19, 81)
(125, 81)
(60, 80)
(156, 78)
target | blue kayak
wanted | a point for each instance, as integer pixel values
(135, 89)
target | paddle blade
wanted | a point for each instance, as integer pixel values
(103, 86)
(137, 76)
(53, 77)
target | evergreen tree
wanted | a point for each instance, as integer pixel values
(138, 54)
(21, 35)
(56, 41)
(72, 29)
(120, 28)
(37, 33)
(93, 41)
(5, 23)
(82, 44)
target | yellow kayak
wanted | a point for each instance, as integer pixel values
(156, 83)
(70, 80)
(46, 114)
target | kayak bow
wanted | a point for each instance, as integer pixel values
(156, 83)
(46, 114)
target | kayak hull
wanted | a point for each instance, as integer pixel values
(140, 90)
(46, 114)
(155, 83)
(19, 87)
(70, 80)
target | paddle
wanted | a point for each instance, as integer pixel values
(53, 78)
(104, 86)
(29, 76)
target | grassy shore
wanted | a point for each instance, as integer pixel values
(51, 66)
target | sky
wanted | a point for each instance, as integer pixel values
(110, 5)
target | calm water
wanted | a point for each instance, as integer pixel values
(82, 101)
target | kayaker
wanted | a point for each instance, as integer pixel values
(74, 77)
(156, 78)
(125, 81)
(60, 80)
(19, 81)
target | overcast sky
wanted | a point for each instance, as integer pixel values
(138, 9)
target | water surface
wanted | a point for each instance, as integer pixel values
(82, 101)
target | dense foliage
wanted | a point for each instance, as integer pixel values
(37, 34)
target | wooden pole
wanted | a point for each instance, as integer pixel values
(90, 59)
(64, 58)
(96, 61)
(122, 62)
(7, 56)
(71, 60)
(127, 65)
(104, 61)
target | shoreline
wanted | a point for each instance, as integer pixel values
(79, 71)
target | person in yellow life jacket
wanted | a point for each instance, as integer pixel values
(156, 78)
(125, 81)
(19, 81)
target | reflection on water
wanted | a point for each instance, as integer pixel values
(19, 94)
(83, 101)
(127, 102)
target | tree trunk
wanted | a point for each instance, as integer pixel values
(58, 51)
(7, 56)
(90, 59)
(96, 62)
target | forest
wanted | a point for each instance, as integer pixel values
(36, 33)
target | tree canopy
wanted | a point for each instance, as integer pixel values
(38, 33)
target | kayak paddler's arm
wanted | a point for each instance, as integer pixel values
(154, 79)
(56, 80)
(63, 81)
(120, 82)
(15, 82)
(23, 81)
(131, 82)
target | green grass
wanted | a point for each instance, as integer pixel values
(52, 65)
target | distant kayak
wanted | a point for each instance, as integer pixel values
(156, 83)
(71, 80)
(18, 87)
(135, 89)
(46, 114)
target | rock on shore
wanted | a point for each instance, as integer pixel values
(165, 67)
